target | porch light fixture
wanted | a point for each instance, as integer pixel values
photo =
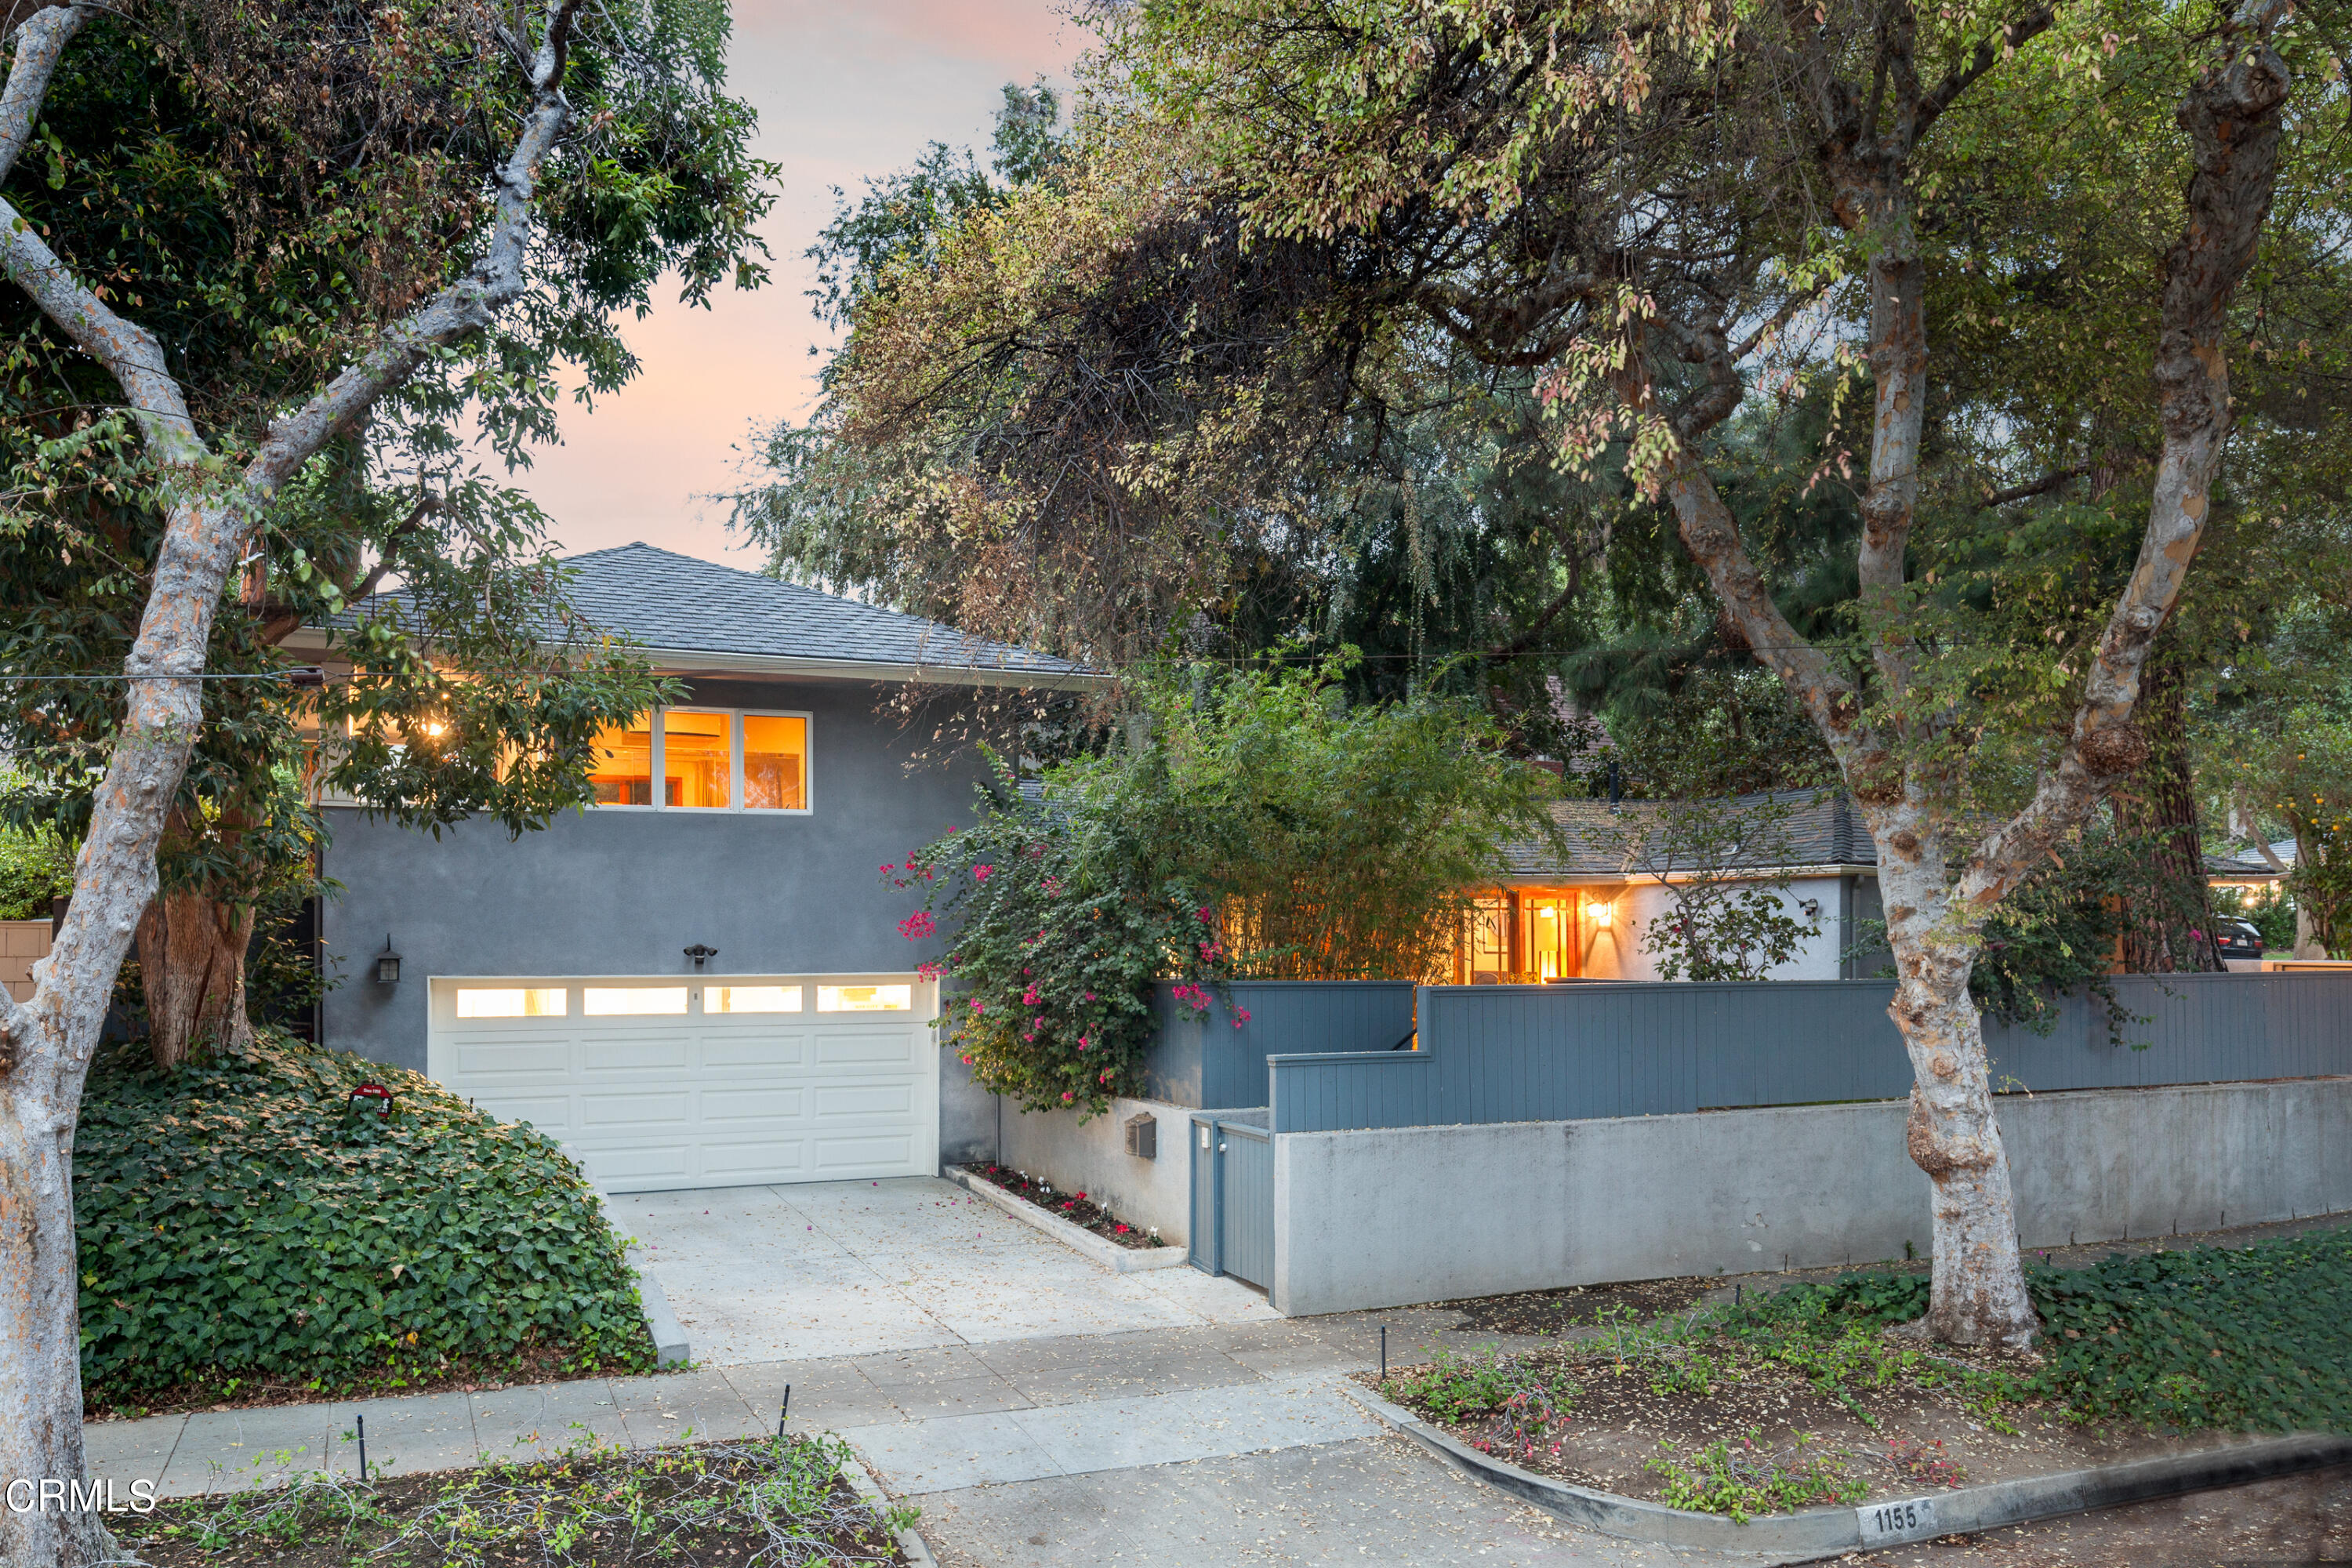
(1601, 913)
(387, 966)
(701, 955)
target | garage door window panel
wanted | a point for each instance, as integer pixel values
(633, 1000)
(512, 1002)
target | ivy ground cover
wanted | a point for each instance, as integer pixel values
(1806, 1397)
(252, 1230)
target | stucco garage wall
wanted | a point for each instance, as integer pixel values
(1385, 1218)
(625, 892)
(1091, 1157)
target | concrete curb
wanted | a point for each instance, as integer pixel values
(917, 1550)
(1830, 1532)
(1109, 1254)
(670, 1346)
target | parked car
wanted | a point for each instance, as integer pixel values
(2237, 939)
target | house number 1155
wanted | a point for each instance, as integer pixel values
(1914, 1519)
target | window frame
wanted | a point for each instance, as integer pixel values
(734, 806)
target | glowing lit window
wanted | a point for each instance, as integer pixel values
(512, 1002)
(630, 1001)
(620, 766)
(775, 763)
(865, 998)
(751, 999)
(697, 759)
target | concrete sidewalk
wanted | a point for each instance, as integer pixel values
(927, 1419)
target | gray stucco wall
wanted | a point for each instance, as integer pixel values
(625, 892)
(1091, 1157)
(1386, 1218)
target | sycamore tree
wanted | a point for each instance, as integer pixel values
(465, 195)
(1670, 206)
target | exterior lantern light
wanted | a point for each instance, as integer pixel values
(387, 966)
(1599, 913)
(701, 954)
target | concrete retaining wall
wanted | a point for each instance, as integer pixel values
(1091, 1157)
(1388, 1217)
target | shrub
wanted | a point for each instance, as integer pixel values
(35, 868)
(237, 1218)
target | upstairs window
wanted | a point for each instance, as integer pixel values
(706, 759)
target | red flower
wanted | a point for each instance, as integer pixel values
(1122, 1230)
(918, 926)
(983, 873)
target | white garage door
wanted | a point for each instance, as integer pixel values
(667, 1082)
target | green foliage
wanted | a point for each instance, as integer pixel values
(1063, 920)
(1263, 829)
(1744, 1478)
(1452, 1388)
(784, 1499)
(2237, 1339)
(240, 1218)
(35, 866)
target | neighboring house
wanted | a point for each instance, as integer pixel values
(2250, 871)
(1583, 917)
(698, 980)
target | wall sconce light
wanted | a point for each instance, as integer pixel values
(1601, 913)
(387, 966)
(1813, 908)
(701, 955)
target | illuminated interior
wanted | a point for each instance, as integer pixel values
(751, 999)
(630, 1001)
(621, 767)
(1490, 938)
(697, 766)
(775, 763)
(516, 1001)
(1553, 950)
(865, 998)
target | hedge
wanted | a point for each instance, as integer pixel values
(240, 1217)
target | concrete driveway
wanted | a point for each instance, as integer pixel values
(850, 1268)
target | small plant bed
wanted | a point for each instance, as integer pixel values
(1813, 1396)
(780, 1502)
(1577, 1306)
(1075, 1207)
(255, 1230)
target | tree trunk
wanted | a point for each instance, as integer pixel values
(2169, 925)
(192, 965)
(1977, 1296)
(41, 1347)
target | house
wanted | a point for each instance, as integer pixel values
(2250, 871)
(1582, 916)
(698, 980)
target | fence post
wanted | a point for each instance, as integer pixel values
(1216, 1197)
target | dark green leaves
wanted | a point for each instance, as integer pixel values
(236, 1218)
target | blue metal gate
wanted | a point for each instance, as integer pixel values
(1233, 1199)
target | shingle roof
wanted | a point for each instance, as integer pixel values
(679, 604)
(1821, 829)
(2250, 863)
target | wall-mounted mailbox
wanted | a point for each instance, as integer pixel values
(1143, 1135)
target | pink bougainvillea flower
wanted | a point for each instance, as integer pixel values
(887, 870)
(983, 873)
(978, 1006)
(1204, 911)
(929, 971)
(1090, 995)
(1068, 1095)
(1082, 1042)
(1029, 997)
(918, 926)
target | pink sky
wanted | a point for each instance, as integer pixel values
(843, 92)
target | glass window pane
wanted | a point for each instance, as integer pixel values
(630, 1001)
(865, 998)
(775, 763)
(751, 999)
(621, 767)
(695, 765)
(512, 1002)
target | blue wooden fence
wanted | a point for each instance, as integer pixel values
(1214, 1066)
(1530, 1053)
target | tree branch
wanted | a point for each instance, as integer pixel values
(2231, 115)
(41, 38)
(1987, 55)
(2041, 487)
